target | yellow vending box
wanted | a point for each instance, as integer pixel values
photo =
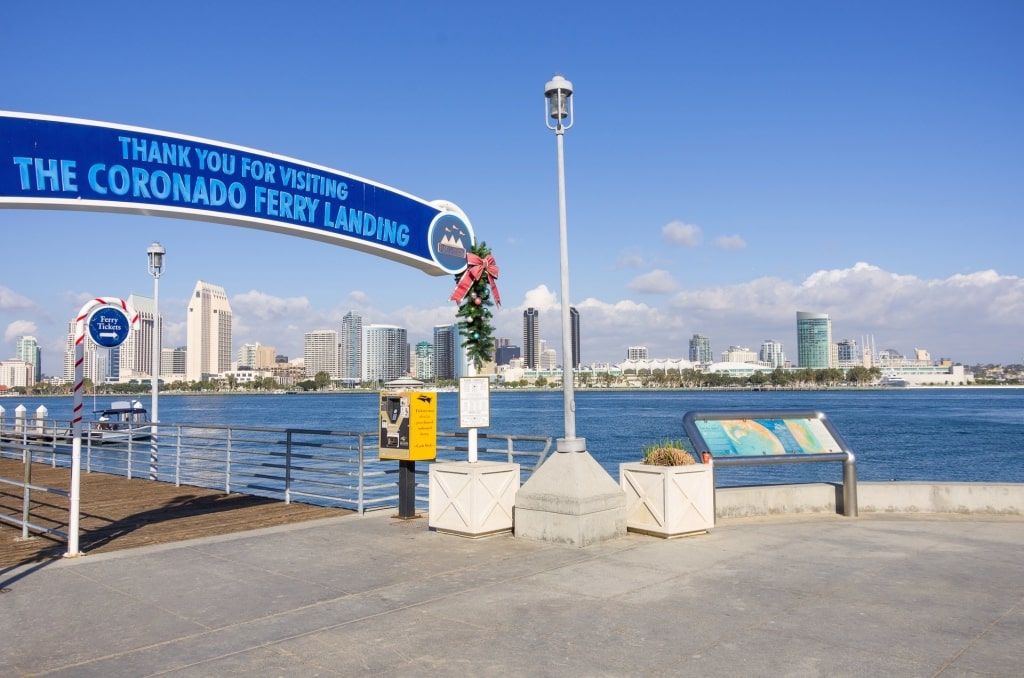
(408, 425)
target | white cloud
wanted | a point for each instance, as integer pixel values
(954, 317)
(730, 242)
(275, 321)
(968, 318)
(541, 298)
(630, 259)
(12, 301)
(358, 298)
(266, 307)
(19, 328)
(679, 233)
(655, 282)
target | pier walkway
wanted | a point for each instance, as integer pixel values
(814, 595)
(118, 513)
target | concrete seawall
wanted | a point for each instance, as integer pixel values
(872, 497)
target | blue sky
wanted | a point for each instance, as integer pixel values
(731, 163)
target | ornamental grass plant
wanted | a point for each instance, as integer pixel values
(667, 453)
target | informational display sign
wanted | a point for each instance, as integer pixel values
(109, 326)
(49, 162)
(474, 402)
(750, 434)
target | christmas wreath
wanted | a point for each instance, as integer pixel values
(474, 290)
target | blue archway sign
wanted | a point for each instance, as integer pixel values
(49, 162)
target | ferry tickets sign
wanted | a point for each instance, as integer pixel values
(49, 162)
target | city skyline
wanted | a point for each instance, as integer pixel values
(851, 160)
(329, 353)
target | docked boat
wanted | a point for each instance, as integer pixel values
(121, 422)
(893, 379)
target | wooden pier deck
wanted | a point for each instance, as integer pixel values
(117, 513)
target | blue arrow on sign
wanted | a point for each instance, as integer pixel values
(109, 326)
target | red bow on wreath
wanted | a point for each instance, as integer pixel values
(476, 268)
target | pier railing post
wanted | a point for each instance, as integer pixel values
(850, 486)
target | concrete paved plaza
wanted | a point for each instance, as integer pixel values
(818, 595)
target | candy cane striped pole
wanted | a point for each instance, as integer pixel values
(88, 309)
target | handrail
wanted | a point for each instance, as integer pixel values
(28, 486)
(325, 467)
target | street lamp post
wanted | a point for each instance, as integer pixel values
(570, 498)
(156, 267)
(559, 117)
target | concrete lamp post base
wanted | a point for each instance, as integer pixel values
(570, 500)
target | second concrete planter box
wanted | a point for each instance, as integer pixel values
(668, 501)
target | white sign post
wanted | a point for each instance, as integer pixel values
(109, 320)
(474, 408)
(471, 498)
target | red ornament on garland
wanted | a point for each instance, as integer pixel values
(477, 301)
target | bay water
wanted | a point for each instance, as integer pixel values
(915, 434)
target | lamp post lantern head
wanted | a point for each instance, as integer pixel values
(156, 259)
(558, 92)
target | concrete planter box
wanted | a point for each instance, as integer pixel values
(668, 501)
(472, 499)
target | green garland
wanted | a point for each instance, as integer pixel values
(475, 315)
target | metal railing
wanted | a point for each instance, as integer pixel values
(27, 486)
(322, 467)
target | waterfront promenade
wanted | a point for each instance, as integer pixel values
(121, 513)
(812, 595)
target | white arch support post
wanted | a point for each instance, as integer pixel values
(87, 311)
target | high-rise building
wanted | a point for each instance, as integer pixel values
(548, 359)
(813, 340)
(503, 355)
(265, 357)
(464, 367)
(247, 356)
(424, 366)
(16, 373)
(849, 354)
(27, 349)
(531, 338)
(636, 353)
(350, 352)
(574, 340)
(738, 354)
(94, 358)
(445, 345)
(320, 353)
(700, 350)
(772, 354)
(173, 363)
(135, 355)
(386, 354)
(208, 333)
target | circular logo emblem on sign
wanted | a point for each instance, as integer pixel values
(109, 326)
(450, 239)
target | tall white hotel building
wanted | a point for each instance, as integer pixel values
(386, 353)
(136, 353)
(208, 334)
(350, 349)
(94, 359)
(320, 353)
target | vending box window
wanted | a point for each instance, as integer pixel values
(408, 425)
